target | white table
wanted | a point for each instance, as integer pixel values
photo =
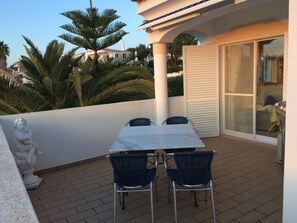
(156, 137)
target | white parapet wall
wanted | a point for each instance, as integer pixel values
(70, 135)
(15, 205)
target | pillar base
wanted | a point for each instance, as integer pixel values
(34, 185)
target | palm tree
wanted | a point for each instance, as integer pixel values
(4, 53)
(93, 30)
(15, 98)
(56, 81)
(121, 84)
(51, 74)
(175, 48)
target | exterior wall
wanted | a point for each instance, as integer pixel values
(70, 135)
(290, 166)
(14, 201)
(154, 8)
(104, 53)
(252, 32)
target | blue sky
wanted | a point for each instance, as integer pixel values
(40, 21)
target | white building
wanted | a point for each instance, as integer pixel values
(247, 52)
(106, 53)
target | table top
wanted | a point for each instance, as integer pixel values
(156, 137)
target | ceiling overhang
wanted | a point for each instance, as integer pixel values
(185, 13)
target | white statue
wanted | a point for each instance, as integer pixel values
(25, 155)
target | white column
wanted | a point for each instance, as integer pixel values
(160, 70)
(290, 168)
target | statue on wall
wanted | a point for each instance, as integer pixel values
(26, 151)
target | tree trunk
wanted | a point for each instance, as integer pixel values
(3, 63)
(172, 58)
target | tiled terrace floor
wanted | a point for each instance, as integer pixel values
(247, 184)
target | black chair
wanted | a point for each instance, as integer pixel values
(192, 172)
(132, 175)
(141, 122)
(179, 120)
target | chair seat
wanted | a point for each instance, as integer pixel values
(191, 172)
(132, 178)
(142, 151)
(131, 174)
(183, 180)
(179, 150)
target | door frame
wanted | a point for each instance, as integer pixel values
(222, 60)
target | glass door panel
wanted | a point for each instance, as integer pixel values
(239, 82)
(269, 85)
(239, 113)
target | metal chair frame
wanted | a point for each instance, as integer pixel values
(180, 120)
(134, 188)
(173, 120)
(185, 187)
(142, 122)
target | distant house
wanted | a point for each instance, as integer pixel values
(18, 73)
(106, 53)
(14, 73)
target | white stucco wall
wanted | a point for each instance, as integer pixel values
(290, 169)
(15, 205)
(70, 135)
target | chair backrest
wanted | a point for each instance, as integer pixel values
(129, 169)
(176, 120)
(140, 122)
(194, 167)
(180, 120)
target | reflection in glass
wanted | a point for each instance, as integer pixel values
(239, 68)
(269, 85)
(239, 113)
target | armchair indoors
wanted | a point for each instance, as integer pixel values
(132, 175)
(191, 172)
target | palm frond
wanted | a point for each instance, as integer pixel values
(128, 87)
(37, 63)
(19, 99)
(53, 53)
(35, 51)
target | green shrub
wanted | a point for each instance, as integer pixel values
(175, 86)
(173, 69)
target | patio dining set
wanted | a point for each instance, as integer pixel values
(141, 146)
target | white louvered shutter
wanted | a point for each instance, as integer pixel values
(201, 88)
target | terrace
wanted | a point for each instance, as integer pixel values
(248, 188)
(77, 180)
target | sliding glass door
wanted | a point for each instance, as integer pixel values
(269, 85)
(252, 83)
(238, 89)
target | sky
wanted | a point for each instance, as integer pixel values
(40, 21)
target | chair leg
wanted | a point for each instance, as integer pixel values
(168, 190)
(120, 198)
(123, 203)
(212, 201)
(205, 194)
(156, 189)
(174, 201)
(152, 201)
(195, 199)
(114, 202)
